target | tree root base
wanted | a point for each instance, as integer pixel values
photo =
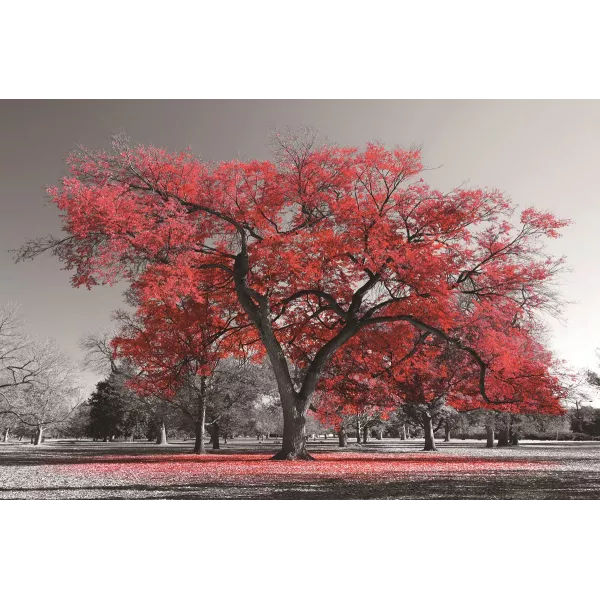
(286, 455)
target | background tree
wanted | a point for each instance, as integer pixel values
(234, 389)
(450, 418)
(266, 417)
(176, 340)
(8, 423)
(351, 396)
(429, 383)
(78, 424)
(23, 360)
(148, 414)
(544, 426)
(107, 412)
(47, 398)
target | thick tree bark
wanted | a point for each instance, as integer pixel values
(403, 435)
(342, 437)
(380, 434)
(514, 438)
(294, 431)
(365, 435)
(6, 432)
(428, 427)
(446, 431)
(489, 431)
(161, 434)
(503, 440)
(214, 436)
(38, 436)
(294, 405)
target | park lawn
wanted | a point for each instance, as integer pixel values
(381, 469)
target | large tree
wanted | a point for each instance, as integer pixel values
(314, 247)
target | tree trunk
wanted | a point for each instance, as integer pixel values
(201, 418)
(38, 436)
(503, 438)
(294, 402)
(342, 437)
(365, 434)
(446, 431)
(199, 442)
(132, 438)
(380, 434)
(428, 427)
(403, 432)
(6, 432)
(214, 436)
(161, 434)
(514, 438)
(294, 430)
(489, 431)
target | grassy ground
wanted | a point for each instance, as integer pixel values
(381, 469)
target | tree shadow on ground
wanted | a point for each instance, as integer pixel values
(567, 486)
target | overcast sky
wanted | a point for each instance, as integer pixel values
(540, 153)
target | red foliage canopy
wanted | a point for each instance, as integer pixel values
(397, 367)
(172, 338)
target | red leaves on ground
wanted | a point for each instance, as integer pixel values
(248, 469)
